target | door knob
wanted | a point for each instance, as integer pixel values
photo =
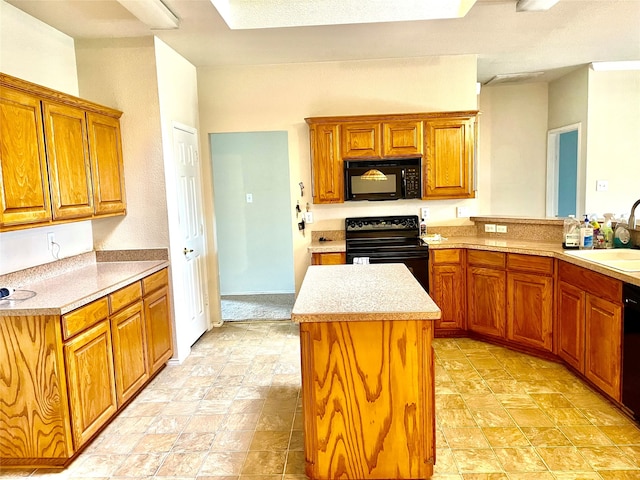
(187, 250)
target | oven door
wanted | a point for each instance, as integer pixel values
(417, 265)
(390, 189)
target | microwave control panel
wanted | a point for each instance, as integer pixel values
(412, 183)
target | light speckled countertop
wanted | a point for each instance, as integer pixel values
(546, 249)
(362, 293)
(70, 290)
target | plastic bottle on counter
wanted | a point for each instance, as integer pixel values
(607, 230)
(586, 234)
(571, 236)
(598, 236)
(423, 228)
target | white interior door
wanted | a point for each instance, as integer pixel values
(193, 320)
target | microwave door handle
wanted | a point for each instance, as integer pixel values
(404, 184)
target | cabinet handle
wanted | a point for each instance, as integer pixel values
(187, 250)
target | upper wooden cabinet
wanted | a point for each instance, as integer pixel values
(326, 164)
(444, 140)
(449, 161)
(60, 157)
(24, 184)
(360, 140)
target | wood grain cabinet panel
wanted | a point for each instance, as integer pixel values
(327, 165)
(34, 417)
(106, 164)
(402, 138)
(530, 310)
(158, 327)
(129, 351)
(447, 284)
(91, 381)
(24, 185)
(369, 393)
(449, 160)
(570, 325)
(486, 301)
(360, 140)
(329, 258)
(603, 345)
(69, 165)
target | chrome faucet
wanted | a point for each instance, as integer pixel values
(632, 217)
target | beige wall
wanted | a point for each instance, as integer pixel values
(33, 51)
(280, 97)
(613, 141)
(512, 149)
(121, 73)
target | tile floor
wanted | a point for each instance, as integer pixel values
(232, 412)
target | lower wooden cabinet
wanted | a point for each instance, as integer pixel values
(447, 285)
(589, 333)
(90, 381)
(486, 301)
(328, 258)
(74, 373)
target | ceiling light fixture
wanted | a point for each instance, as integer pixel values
(373, 174)
(613, 66)
(153, 13)
(534, 5)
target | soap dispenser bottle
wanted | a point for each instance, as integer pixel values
(607, 230)
(586, 234)
(571, 234)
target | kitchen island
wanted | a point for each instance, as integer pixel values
(367, 372)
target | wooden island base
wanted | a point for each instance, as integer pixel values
(367, 373)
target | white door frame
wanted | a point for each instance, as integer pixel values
(553, 154)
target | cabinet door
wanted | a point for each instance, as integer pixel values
(328, 258)
(24, 186)
(129, 351)
(448, 163)
(328, 175)
(402, 138)
(159, 331)
(530, 310)
(486, 300)
(447, 287)
(360, 140)
(570, 325)
(68, 157)
(603, 344)
(91, 382)
(106, 164)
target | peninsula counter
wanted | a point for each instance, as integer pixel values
(367, 372)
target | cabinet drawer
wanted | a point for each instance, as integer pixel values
(592, 282)
(155, 281)
(125, 296)
(451, 255)
(486, 259)
(82, 318)
(530, 263)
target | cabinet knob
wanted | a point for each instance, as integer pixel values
(187, 250)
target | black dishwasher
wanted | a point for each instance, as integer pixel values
(631, 349)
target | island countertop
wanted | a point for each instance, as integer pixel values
(362, 293)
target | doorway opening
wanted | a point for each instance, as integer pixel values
(565, 172)
(253, 215)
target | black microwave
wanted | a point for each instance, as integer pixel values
(389, 179)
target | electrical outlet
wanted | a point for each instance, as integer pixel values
(51, 239)
(308, 217)
(462, 212)
(489, 227)
(501, 228)
(424, 213)
(602, 185)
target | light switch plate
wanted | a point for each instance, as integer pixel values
(602, 185)
(462, 212)
(424, 213)
(249, 198)
(308, 217)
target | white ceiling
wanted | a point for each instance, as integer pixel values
(572, 33)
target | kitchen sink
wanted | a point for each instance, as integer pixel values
(620, 259)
